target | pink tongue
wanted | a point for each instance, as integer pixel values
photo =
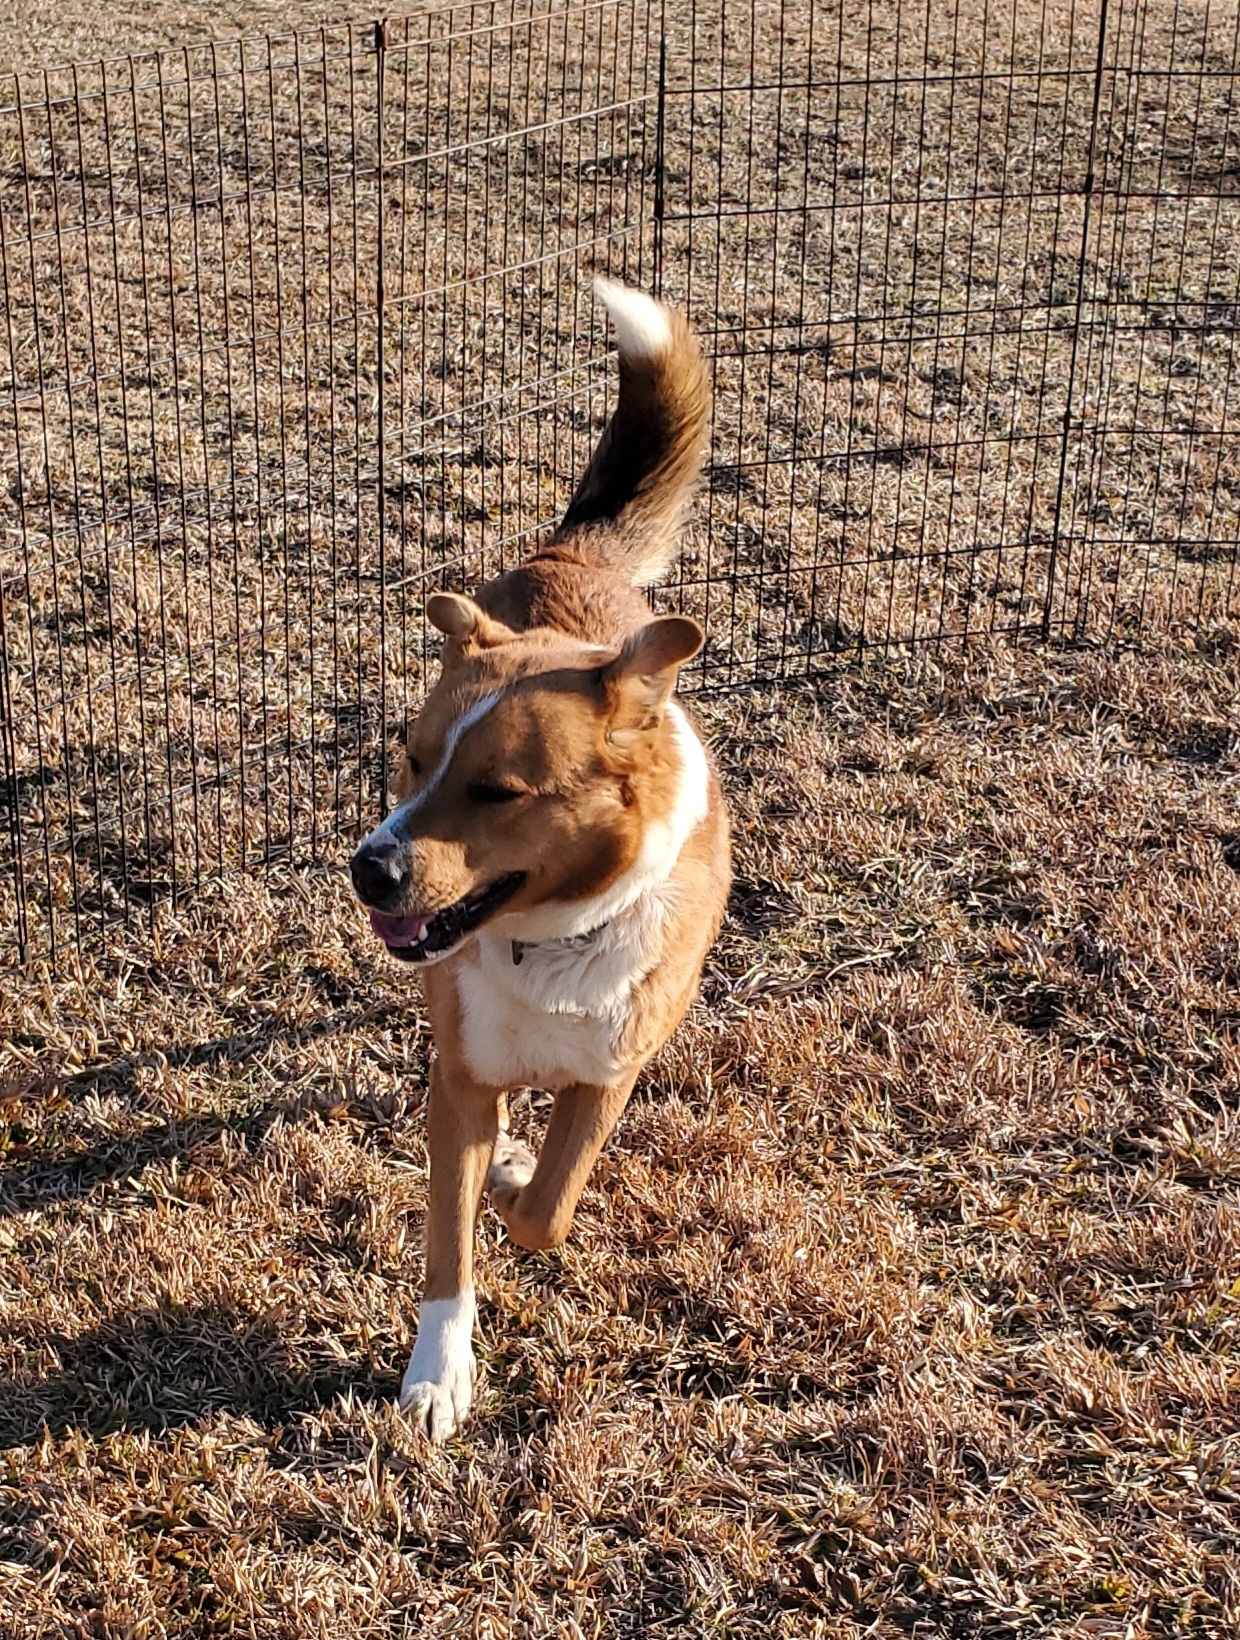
(398, 930)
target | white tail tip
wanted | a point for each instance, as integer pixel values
(641, 324)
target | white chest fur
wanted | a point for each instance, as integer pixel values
(560, 1015)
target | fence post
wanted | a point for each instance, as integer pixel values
(381, 428)
(1091, 162)
(659, 138)
(8, 784)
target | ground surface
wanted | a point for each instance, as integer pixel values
(82, 30)
(905, 1300)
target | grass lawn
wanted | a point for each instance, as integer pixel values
(904, 1301)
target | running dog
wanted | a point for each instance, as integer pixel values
(558, 858)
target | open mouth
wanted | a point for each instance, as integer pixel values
(422, 939)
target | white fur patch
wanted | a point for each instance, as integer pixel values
(512, 1166)
(641, 324)
(438, 1386)
(391, 829)
(559, 1016)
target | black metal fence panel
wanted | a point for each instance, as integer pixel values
(969, 275)
(297, 327)
(189, 442)
(292, 328)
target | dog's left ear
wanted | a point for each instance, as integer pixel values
(461, 618)
(639, 682)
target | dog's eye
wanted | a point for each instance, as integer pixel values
(415, 768)
(484, 793)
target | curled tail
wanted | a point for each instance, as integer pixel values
(627, 509)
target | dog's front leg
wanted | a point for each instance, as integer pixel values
(462, 1122)
(537, 1201)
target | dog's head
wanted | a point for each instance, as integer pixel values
(533, 778)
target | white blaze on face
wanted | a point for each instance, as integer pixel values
(392, 829)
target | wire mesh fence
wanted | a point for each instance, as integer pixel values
(970, 276)
(297, 327)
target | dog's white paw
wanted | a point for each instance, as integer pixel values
(512, 1166)
(438, 1387)
(436, 1410)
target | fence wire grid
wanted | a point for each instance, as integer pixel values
(299, 327)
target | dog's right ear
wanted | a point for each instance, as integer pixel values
(639, 682)
(461, 618)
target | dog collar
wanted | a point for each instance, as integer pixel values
(571, 942)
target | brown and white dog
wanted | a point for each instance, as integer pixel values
(558, 860)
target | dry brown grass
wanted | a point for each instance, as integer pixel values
(904, 1301)
(79, 31)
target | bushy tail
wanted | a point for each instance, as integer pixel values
(627, 508)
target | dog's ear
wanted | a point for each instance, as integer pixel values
(461, 618)
(638, 683)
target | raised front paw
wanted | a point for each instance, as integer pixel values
(512, 1167)
(438, 1386)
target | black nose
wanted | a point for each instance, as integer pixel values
(379, 874)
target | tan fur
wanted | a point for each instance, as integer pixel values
(548, 766)
(626, 511)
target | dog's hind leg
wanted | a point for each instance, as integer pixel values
(462, 1124)
(538, 1211)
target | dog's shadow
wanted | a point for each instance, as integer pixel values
(71, 1173)
(168, 1367)
(60, 1177)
